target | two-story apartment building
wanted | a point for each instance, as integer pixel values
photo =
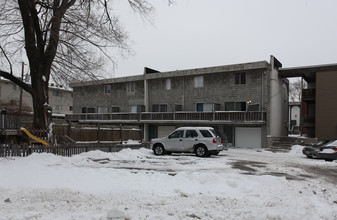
(60, 98)
(319, 108)
(248, 101)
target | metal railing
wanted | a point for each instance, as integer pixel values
(308, 119)
(171, 116)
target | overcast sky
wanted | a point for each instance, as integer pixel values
(200, 33)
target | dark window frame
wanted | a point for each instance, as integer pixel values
(240, 78)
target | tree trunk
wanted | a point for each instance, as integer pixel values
(42, 110)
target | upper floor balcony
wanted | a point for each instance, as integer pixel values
(308, 94)
(308, 121)
(237, 117)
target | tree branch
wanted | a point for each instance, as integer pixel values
(17, 81)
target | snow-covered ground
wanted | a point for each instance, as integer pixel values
(237, 184)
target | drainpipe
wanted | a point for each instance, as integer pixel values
(146, 104)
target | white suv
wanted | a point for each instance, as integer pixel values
(202, 141)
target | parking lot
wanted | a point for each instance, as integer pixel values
(236, 184)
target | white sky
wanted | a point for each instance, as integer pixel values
(200, 33)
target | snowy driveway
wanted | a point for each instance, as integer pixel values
(238, 184)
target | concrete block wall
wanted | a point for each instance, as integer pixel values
(218, 88)
(93, 96)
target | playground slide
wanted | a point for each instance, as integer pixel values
(33, 137)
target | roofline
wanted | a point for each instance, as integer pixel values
(315, 68)
(178, 73)
(4, 80)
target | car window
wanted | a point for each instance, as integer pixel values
(177, 134)
(191, 134)
(206, 133)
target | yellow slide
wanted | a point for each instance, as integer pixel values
(33, 137)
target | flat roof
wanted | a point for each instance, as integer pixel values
(178, 73)
(306, 72)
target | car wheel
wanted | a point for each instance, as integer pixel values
(201, 151)
(158, 149)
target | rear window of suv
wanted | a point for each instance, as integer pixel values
(206, 133)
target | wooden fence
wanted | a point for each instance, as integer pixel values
(98, 133)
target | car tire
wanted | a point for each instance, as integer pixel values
(201, 151)
(158, 149)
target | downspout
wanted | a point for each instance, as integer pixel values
(146, 105)
(183, 96)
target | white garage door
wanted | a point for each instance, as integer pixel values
(248, 137)
(163, 131)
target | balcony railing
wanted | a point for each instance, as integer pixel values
(308, 94)
(308, 120)
(144, 117)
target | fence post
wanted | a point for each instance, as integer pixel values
(3, 115)
(121, 133)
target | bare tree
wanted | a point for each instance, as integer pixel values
(64, 40)
(295, 89)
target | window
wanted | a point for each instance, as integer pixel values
(57, 107)
(102, 109)
(114, 109)
(159, 108)
(253, 107)
(178, 108)
(56, 93)
(70, 108)
(107, 89)
(205, 107)
(177, 134)
(166, 84)
(131, 88)
(240, 78)
(88, 110)
(235, 106)
(163, 108)
(137, 108)
(206, 133)
(198, 81)
(229, 106)
(191, 134)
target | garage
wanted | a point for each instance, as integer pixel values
(248, 137)
(164, 131)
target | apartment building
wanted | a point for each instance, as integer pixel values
(318, 106)
(60, 99)
(248, 101)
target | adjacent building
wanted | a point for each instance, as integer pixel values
(248, 101)
(294, 117)
(14, 98)
(319, 108)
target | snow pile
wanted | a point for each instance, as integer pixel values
(296, 149)
(135, 184)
